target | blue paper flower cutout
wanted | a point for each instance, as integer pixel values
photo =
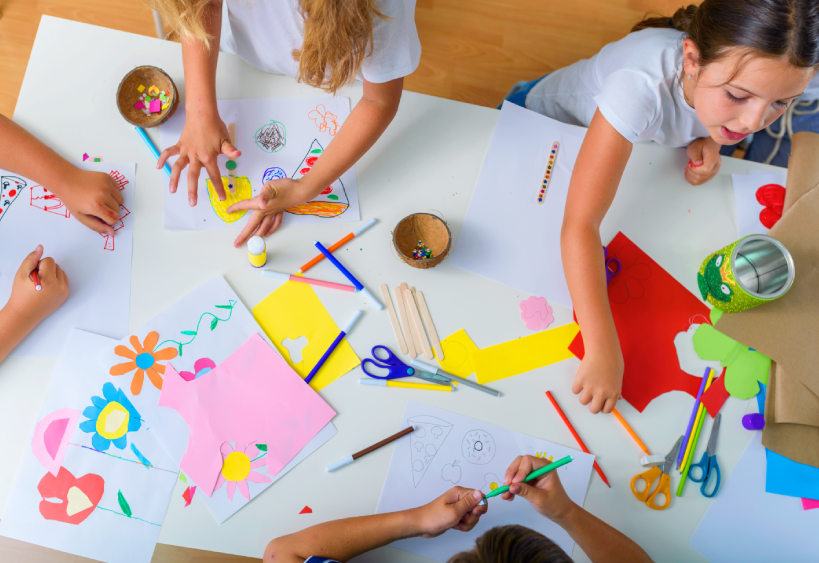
(110, 419)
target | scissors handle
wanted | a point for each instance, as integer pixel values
(704, 469)
(394, 372)
(664, 488)
(713, 469)
(649, 477)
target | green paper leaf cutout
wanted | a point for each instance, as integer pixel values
(213, 323)
(744, 374)
(711, 344)
(716, 315)
(123, 504)
(182, 477)
(262, 447)
(189, 333)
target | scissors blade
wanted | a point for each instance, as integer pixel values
(431, 377)
(672, 455)
(712, 441)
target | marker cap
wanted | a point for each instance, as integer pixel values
(274, 274)
(372, 298)
(333, 466)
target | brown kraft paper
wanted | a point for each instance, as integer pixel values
(797, 442)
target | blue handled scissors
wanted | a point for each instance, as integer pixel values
(613, 265)
(708, 464)
(396, 368)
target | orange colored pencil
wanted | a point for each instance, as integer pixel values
(630, 431)
(577, 437)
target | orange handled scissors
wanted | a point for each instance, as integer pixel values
(664, 485)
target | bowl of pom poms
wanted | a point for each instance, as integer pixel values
(147, 97)
(422, 240)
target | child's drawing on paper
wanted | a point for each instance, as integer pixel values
(10, 188)
(332, 201)
(110, 419)
(237, 468)
(43, 199)
(273, 173)
(772, 196)
(326, 121)
(242, 191)
(144, 359)
(67, 498)
(271, 137)
(478, 447)
(51, 436)
(451, 472)
(425, 441)
(200, 368)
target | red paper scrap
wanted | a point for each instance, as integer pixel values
(649, 308)
(306, 510)
(715, 396)
(188, 495)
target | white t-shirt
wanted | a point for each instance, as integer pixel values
(265, 32)
(636, 84)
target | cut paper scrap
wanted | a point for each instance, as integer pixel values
(144, 360)
(110, 419)
(524, 354)
(200, 368)
(188, 495)
(77, 496)
(142, 459)
(252, 396)
(306, 510)
(715, 396)
(649, 308)
(689, 361)
(237, 468)
(458, 349)
(536, 313)
(51, 437)
(294, 310)
(809, 504)
(745, 369)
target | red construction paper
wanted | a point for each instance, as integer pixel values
(306, 510)
(87, 494)
(715, 396)
(649, 308)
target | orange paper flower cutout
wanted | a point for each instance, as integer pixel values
(143, 360)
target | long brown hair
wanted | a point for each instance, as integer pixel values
(786, 29)
(512, 544)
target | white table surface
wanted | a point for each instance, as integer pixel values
(427, 160)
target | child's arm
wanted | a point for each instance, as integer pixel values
(368, 120)
(598, 540)
(27, 307)
(343, 539)
(597, 172)
(92, 197)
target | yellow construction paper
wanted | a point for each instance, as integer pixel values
(294, 310)
(458, 349)
(524, 354)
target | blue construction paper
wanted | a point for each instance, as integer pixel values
(784, 476)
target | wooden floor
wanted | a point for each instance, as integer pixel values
(473, 51)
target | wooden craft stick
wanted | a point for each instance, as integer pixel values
(433, 335)
(396, 328)
(412, 307)
(232, 177)
(402, 314)
(413, 333)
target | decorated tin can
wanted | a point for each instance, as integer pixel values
(752, 271)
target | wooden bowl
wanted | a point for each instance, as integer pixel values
(430, 229)
(128, 94)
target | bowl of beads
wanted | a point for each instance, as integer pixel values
(147, 97)
(422, 240)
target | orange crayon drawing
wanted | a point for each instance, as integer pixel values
(324, 119)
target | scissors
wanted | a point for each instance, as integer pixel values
(612, 265)
(664, 485)
(708, 464)
(396, 368)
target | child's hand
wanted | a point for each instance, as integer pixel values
(204, 137)
(546, 493)
(456, 509)
(93, 198)
(268, 206)
(29, 305)
(599, 379)
(704, 160)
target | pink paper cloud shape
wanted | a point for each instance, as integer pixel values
(51, 436)
(536, 313)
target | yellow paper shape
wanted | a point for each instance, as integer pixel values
(294, 310)
(458, 349)
(524, 354)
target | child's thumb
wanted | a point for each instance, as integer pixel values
(230, 150)
(32, 261)
(469, 501)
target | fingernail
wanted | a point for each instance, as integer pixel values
(477, 495)
(192, 202)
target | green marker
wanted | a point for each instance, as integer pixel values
(531, 477)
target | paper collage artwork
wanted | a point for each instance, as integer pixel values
(279, 138)
(447, 450)
(186, 345)
(98, 268)
(759, 197)
(96, 481)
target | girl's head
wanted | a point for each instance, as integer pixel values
(338, 35)
(744, 61)
(512, 544)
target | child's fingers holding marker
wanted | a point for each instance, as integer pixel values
(95, 224)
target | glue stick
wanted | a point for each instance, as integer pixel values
(256, 252)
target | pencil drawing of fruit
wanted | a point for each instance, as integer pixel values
(242, 191)
(451, 472)
(712, 282)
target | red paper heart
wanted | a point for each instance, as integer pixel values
(92, 486)
(772, 196)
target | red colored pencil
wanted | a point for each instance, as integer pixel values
(577, 437)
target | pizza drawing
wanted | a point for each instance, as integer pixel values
(43, 199)
(10, 188)
(425, 441)
(478, 447)
(331, 202)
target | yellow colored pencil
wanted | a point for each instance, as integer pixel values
(404, 384)
(630, 431)
(700, 409)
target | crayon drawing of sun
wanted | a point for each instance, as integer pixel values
(144, 360)
(237, 469)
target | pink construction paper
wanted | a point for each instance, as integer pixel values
(809, 504)
(253, 396)
(51, 436)
(155, 106)
(139, 105)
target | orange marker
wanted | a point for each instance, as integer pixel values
(35, 277)
(630, 431)
(338, 245)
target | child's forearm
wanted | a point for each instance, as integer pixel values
(343, 539)
(14, 327)
(599, 541)
(200, 63)
(368, 120)
(24, 154)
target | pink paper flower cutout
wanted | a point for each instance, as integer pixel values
(237, 466)
(536, 313)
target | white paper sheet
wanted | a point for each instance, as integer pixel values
(507, 236)
(98, 268)
(748, 208)
(744, 523)
(195, 313)
(107, 534)
(268, 149)
(448, 450)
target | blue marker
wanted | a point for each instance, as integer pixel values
(332, 347)
(348, 275)
(153, 149)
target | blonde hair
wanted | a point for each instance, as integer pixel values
(338, 35)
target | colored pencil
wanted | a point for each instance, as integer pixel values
(290, 277)
(576, 436)
(533, 475)
(700, 410)
(153, 149)
(351, 458)
(693, 445)
(332, 347)
(35, 277)
(691, 420)
(364, 291)
(404, 384)
(338, 245)
(630, 431)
